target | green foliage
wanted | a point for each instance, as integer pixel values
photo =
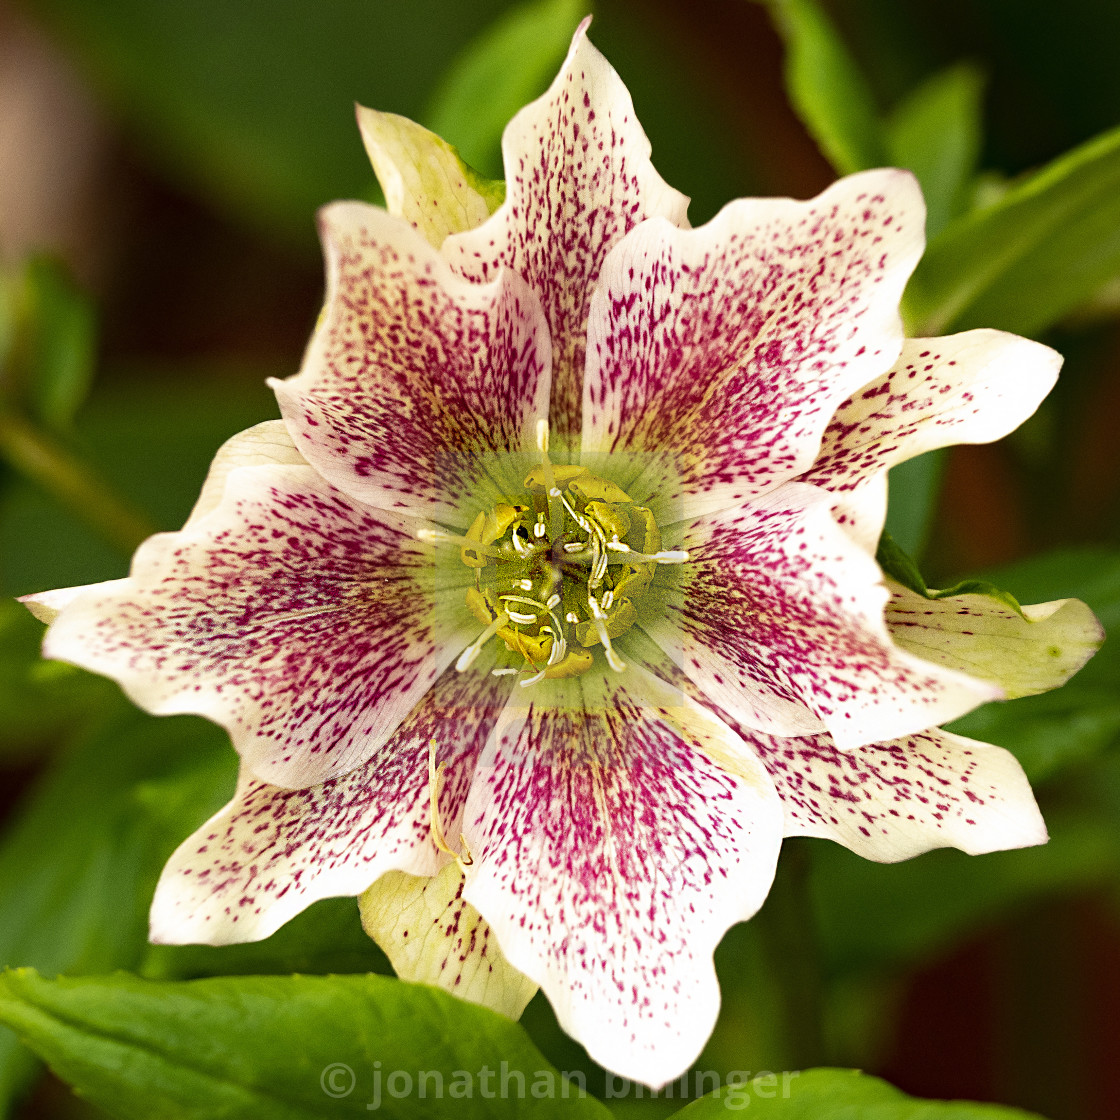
(279, 1048)
(506, 67)
(47, 343)
(935, 132)
(835, 1094)
(827, 88)
(913, 488)
(1046, 247)
(902, 568)
(253, 102)
(79, 864)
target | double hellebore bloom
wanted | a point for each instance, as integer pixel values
(551, 604)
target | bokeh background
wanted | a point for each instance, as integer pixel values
(160, 165)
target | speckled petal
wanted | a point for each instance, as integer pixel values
(424, 179)
(891, 801)
(728, 348)
(1024, 654)
(260, 446)
(779, 620)
(414, 377)
(432, 935)
(272, 852)
(578, 176)
(617, 830)
(305, 625)
(966, 388)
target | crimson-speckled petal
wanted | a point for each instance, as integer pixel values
(727, 349)
(304, 624)
(891, 801)
(966, 388)
(272, 852)
(779, 621)
(617, 830)
(578, 176)
(415, 377)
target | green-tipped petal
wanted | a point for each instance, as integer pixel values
(1025, 651)
(432, 935)
(424, 178)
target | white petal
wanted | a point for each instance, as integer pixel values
(967, 388)
(433, 936)
(306, 625)
(424, 179)
(272, 852)
(778, 618)
(1024, 654)
(262, 445)
(414, 377)
(891, 801)
(725, 350)
(578, 176)
(617, 830)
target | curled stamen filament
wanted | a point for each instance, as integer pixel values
(435, 784)
(613, 660)
(466, 658)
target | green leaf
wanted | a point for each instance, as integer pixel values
(38, 699)
(506, 67)
(326, 937)
(79, 864)
(47, 342)
(835, 1094)
(283, 1048)
(826, 88)
(1049, 244)
(914, 486)
(935, 132)
(874, 917)
(902, 569)
(252, 103)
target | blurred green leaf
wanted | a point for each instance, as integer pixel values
(914, 486)
(836, 1094)
(79, 864)
(897, 564)
(38, 698)
(506, 67)
(826, 88)
(935, 132)
(47, 342)
(280, 1048)
(151, 433)
(326, 937)
(874, 917)
(253, 102)
(1047, 246)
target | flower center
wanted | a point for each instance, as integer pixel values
(560, 569)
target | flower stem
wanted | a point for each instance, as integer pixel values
(42, 460)
(789, 937)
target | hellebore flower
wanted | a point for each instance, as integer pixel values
(551, 604)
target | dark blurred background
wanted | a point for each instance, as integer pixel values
(165, 161)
